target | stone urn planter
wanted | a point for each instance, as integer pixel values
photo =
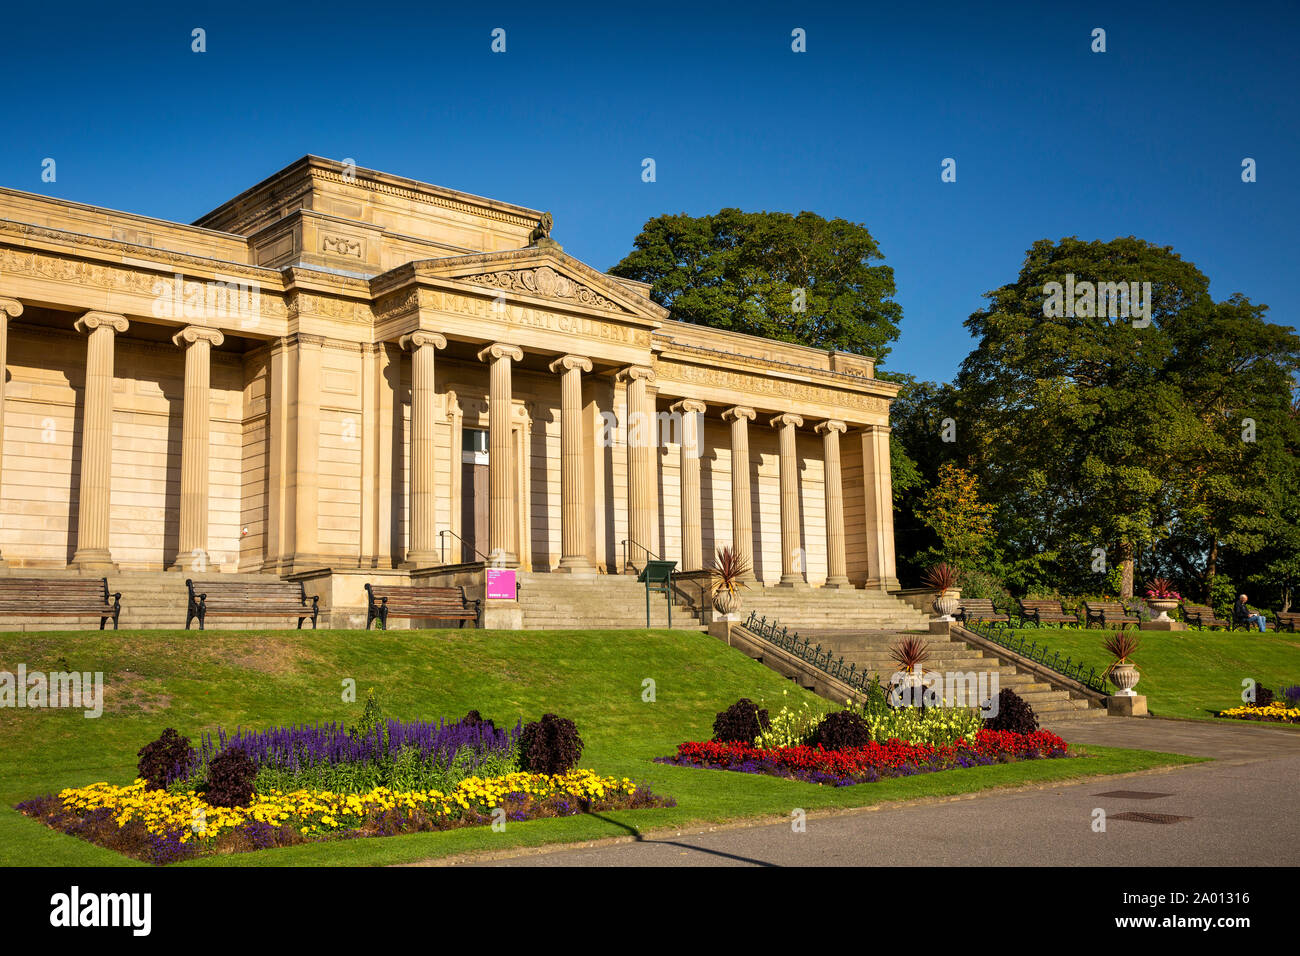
(725, 602)
(946, 603)
(1164, 606)
(1125, 677)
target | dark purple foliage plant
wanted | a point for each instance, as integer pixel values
(165, 760)
(743, 721)
(550, 745)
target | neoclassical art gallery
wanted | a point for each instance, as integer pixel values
(346, 369)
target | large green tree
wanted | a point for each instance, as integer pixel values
(1121, 433)
(797, 278)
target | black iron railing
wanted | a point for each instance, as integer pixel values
(1076, 671)
(788, 641)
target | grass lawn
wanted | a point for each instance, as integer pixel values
(192, 681)
(1188, 673)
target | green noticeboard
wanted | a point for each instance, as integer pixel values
(658, 576)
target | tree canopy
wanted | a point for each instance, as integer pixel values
(797, 278)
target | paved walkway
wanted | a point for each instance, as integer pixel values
(1244, 806)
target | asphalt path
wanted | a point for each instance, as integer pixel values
(1242, 807)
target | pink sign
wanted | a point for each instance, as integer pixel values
(500, 584)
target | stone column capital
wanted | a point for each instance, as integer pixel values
(876, 430)
(781, 421)
(636, 373)
(11, 307)
(567, 363)
(94, 320)
(738, 412)
(831, 425)
(421, 338)
(197, 333)
(688, 406)
(498, 350)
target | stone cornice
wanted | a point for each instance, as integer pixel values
(717, 358)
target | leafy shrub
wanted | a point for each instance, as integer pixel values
(165, 760)
(742, 721)
(475, 719)
(842, 730)
(231, 776)
(371, 717)
(550, 745)
(981, 584)
(1263, 696)
(1013, 714)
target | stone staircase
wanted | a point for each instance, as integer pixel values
(869, 651)
(151, 600)
(559, 601)
(828, 609)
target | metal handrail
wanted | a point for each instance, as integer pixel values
(788, 641)
(442, 550)
(1067, 668)
(649, 553)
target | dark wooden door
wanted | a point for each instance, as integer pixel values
(474, 510)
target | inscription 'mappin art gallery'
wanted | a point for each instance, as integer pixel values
(345, 369)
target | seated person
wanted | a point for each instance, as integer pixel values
(1242, 614)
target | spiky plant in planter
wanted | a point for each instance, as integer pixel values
(908, 688)
(909, 652)
(942, 579)
(1162, 597)
(726, 578)
(1123, 673)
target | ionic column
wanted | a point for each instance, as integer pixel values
(742, 513)
(836, 561)
(422, 549)
(9, 308)
(642, 498)
(878, 491)
(692, 413)
(501, 519)
(96, 442)
(792, 556)
(573, 503)
(196, 414)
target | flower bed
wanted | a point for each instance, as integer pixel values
(1276, 712)
(161, 826)
(871, 762)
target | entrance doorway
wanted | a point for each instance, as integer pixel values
(474, 493)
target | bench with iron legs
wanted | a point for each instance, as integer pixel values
(414, 601)
(250, 599)
(1287, 621)
(1039, 613)
(1108, 614)
(1201, 615)
(60, 597)
(980, 609)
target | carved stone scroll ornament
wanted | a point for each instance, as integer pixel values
(543, 281)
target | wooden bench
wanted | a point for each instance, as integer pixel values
(1201, 615)
(1287, 621)
(249, 599)
(436, 603)
(979, 609)
(60, 597)
(1108, 613)
(1045, 612)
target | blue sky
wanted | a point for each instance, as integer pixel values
(1050, 138)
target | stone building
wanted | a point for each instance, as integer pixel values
(345, 369)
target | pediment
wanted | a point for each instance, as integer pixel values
(545, 274)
